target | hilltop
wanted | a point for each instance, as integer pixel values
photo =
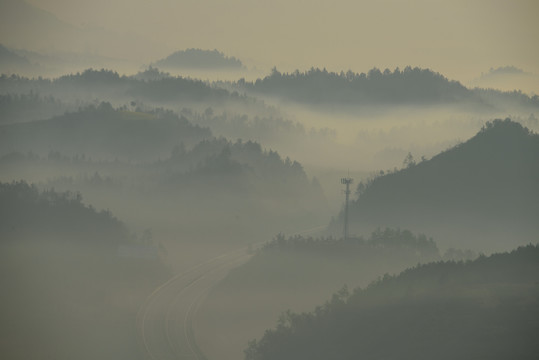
(104, 132)
(486, 309)
(200, 59)
(480, 194)
(62, 267)
(410, 87)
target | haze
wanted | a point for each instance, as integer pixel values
(459, 38)
(269, 180)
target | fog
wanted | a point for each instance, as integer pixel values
(176, 189)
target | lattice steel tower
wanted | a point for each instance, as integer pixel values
(347, 182)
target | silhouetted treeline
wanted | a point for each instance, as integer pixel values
(300, 272)
(29, 214)
(67, 289)
(411, 86)
(151, 74)
(199, 59)
(479, 194)
(487, 308)
(108, 85)
(104, 132)
(270, 127)
(508, 99)
(220, 154)
(402, 240)
(216, 182)
(11, 62)
(29, 107)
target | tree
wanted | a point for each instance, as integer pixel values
(409, 160)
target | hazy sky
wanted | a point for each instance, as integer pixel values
(459, 38)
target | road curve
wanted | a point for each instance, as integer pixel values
(164, 322)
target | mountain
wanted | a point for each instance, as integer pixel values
(508, 78)
(20, 18)
(103, 132)
(481, 194)
(62, 267)
(411, 86)
(109, 86)
(200, 59)
(26, 26)
(298, 273)
(482, 309)
(13, 62)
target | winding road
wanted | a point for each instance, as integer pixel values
(164, 322)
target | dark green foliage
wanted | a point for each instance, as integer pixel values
(28, 107)
(26, 213)
(200, 59)
(486, 185)
(484, 309)
(401, 241)
(168, 89)
(104, 132)
(303, 262)
(8, 57)
(107, 85)
(239, 165)
(66, 292)
(411, 86)
(151, 74)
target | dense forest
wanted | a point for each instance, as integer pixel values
(181, 171)
(62, 263)
(299, 272)
(479, 194)
(410, 86)
(108, 85)
(161, 165)
(269, 180)
(28, 213)
(486, 308)
(102, 132)
(199, 59)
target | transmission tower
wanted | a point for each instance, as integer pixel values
(347, 182)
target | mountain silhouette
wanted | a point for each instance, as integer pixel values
(480, 194)
(200, 59)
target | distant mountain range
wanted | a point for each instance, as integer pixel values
(11, 62)
(42, 31)
(200, 59)
(481, 194)
(410, 86)
(9, 57)
(103, 133)
(483, 309)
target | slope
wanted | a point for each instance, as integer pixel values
(71, 279)
(484, 309)
(481, 194)
(408, 87)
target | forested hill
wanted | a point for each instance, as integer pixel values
(109, 85)
(105, 133)
(199, 59)
(484, 309)
(11, 60)
(63, 264)
(29, 214)
(411, 86)
(480, 194)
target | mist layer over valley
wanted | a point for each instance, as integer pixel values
(241, 193)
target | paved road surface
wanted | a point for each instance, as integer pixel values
(164, 321)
